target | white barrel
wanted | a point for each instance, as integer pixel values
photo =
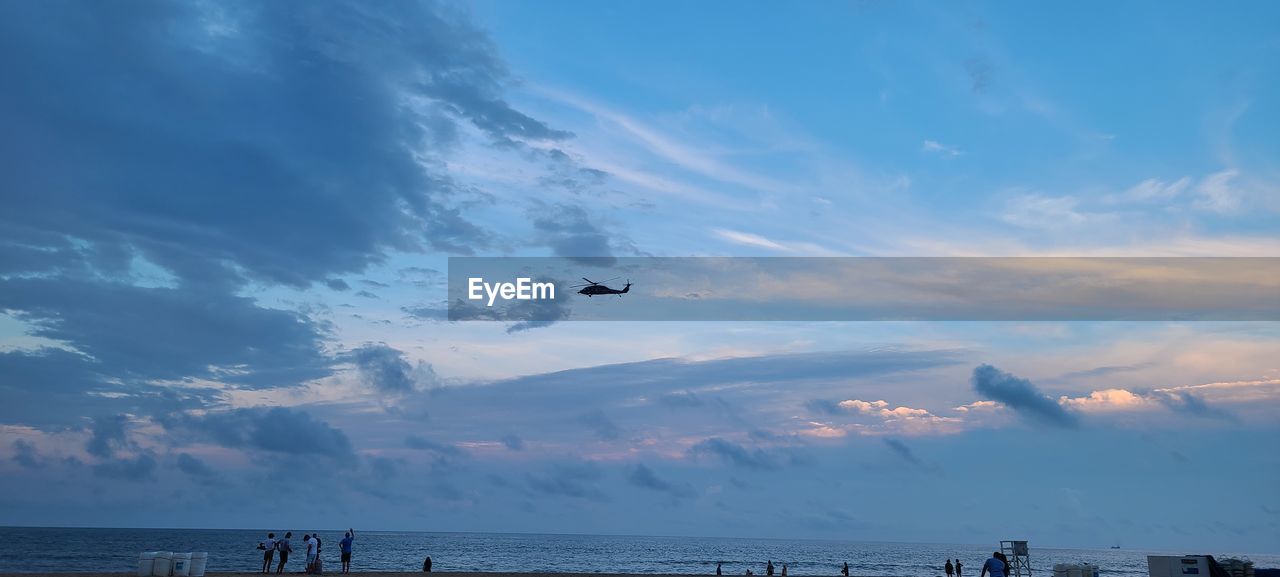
(198, 561)
(181, 565)
(145, 563)
(163, 564)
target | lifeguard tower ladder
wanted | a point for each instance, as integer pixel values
(1019, 562)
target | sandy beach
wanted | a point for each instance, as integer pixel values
(358, 574)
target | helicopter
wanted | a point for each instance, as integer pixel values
(593, 288)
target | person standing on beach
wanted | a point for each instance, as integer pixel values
(718, 564)
(959, 567)
(285, 548)
(318, 569)
(311, 551)
(845, 570)
(768, 569)
(268, 547)
(950, 569)
(345, 546)
(994, 566)
(426, 565)
(784, 570)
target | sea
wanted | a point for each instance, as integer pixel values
(31, 550)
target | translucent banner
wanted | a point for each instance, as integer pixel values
(550, 289)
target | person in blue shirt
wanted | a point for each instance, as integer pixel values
(994, 566)
(345, 544)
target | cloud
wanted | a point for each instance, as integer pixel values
(1021, 396)
(384, 369)
(1217, 193)
(642, 476)
(26, 455)
(680, 400)
(107, 435)
(442, 450)
(337, 284)
(277, 430)
(1106, 400)
(1122, 400)
(512, 441)
(342, 191)
(747, 239)
(734, 454)
(1189, 403)
(195, 467)
(143, 333)
(136, 469)
(939, 148)
(901, 450)
(575, 480)
(570, 233)
(600, 424)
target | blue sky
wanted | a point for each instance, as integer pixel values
(226, 226)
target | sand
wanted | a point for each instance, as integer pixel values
(363, 574)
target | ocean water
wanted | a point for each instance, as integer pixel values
(57, 549)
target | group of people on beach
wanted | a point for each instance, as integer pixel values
(996, 566)
(271, 546)
(768, 569)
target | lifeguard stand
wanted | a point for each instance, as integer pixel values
(1019, 562)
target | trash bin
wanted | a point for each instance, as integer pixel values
(146, 561)
(163, 564)
(181, 565)
(198, 561)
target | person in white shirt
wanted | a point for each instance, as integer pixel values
(312, 550)
(268, 547)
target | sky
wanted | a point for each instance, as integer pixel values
(226, 230)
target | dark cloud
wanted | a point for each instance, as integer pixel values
(642, 476)
(576, 480)
(277, 430)
(901, 449)
(136, 469)
(1020, 395)
(570, 233)
(195, 467)
(513, 442)
(366, 295)
(249, 134)
(279, 144)
(601, 425)
(141, 333)
(55, 388)
(735, 454)
(1188, 403)
(107, 435)
(373, 283)
(442, 450)
(25, 455)
(386, 370)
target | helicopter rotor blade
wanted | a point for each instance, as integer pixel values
(589, 280)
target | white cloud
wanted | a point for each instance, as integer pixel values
(1217, 194)
(938, 147)
(747, 239)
